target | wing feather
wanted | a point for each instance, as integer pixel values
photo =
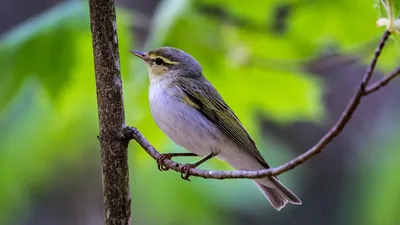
(205, 98)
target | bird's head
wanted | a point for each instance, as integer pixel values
(168, 61)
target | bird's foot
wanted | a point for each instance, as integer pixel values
(160, 161)
(185, 174)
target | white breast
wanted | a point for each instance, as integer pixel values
(188, 128)
(183, 124)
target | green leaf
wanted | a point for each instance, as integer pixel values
(165, 16)
(42, 47)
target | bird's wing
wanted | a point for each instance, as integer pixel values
(204, 97)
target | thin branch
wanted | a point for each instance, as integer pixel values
(382, 82)
(362, 91)
(372, 65)
(114, 157)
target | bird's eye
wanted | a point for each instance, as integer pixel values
(159, 61)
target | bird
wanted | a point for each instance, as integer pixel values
(191, 112)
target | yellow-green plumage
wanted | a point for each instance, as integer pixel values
(204, 97)
(192, 113)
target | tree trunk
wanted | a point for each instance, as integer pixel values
(114, 157)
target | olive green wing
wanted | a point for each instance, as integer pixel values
(205, 98)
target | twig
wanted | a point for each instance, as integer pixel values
(362, 91)
(114, 157)
(371, 67)
(382, 82)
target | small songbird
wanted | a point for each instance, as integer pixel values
(187, 108)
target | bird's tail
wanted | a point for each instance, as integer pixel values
(278, 195)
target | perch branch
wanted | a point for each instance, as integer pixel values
(362, 91)
(114, 157)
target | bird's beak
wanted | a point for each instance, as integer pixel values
(142, 55)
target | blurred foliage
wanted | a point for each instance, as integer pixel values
(48, 100)
(378, 199)
(48, 104)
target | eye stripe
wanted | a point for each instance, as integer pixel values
(167, 61)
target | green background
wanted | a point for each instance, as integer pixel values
(258, 59)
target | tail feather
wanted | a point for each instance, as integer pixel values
(288, 194)
(274, 197)
(279, 195)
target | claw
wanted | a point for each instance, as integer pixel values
(185, 174)
(160, 162)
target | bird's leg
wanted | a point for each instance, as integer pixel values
(160, 159)
(185, 174)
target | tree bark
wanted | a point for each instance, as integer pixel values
(111, 113)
